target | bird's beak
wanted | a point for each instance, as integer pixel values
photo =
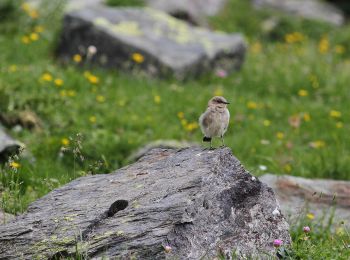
(227, 103)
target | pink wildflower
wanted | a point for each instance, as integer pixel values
(306, 229)
(221, 73)
(277, 243)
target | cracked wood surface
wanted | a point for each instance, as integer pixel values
(199, 202)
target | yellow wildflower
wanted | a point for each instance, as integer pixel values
(34, 36)
(77, 58)
(100, 98)
(65, 141)
(92, 119)
(157, 99)
(252, 105)
(280, 135)
(317, 144)
(137, 57)
(180, 115)
(183, 122)
(335, 114)
(266, 122)
(287, 168)
(303, 93)
(339, 125)
(25, 7)
(33, 14)
(14, 165)
(87, 74)
(256, 47)
(314, 81)
(323, 46)
(71, 93)
(58, 82)
(25, 40)
(191, 126)
(310, 216)
(307, 117)
(38, 29)
(339, 49)
(294, 37)
(13, 68)
(46, 77)
(93, 79)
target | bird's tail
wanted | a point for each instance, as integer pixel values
(206, 139)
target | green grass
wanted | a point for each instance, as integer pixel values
(280, 82)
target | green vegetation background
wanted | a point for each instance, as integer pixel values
(289, 106)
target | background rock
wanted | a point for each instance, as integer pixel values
(199, 202)
(25, 119)
(343, 5)
(310, 9)
(194, 11)
(5, 217)
(168, 45)
(299, 196)
(8, 145)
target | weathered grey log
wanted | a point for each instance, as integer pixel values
(169, 46)
(327, 200)
(199, 202)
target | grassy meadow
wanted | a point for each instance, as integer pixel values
(289, 108)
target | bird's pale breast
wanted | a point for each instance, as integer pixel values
(214, 123)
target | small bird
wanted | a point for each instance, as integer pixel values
(214, 121)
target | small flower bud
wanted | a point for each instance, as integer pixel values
(92, 50)
(167, 249)
(277, 243)
(306, 229)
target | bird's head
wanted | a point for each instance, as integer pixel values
(218, 101)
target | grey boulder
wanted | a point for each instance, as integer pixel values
(168, 46)
(310, 9)
(325, 199)
(8, 146)
(171, 204)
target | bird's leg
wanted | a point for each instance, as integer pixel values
(222, 141)
(211, 147)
